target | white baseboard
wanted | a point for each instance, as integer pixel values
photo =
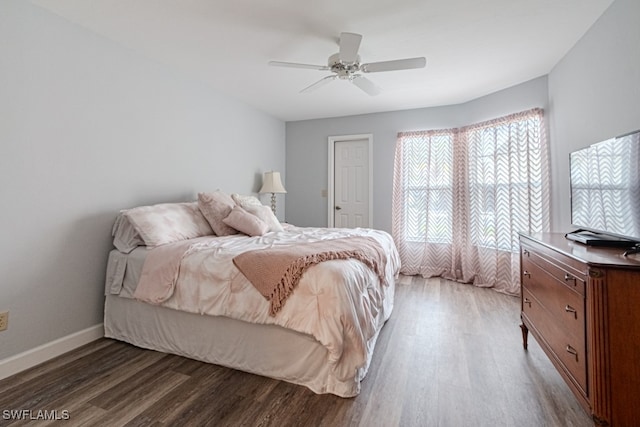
(25, 360)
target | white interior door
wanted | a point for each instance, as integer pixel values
(350, 200)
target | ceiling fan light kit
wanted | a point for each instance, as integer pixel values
(345, 65)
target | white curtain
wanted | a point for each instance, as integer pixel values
(461, 196)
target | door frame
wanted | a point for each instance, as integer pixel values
(331, 175)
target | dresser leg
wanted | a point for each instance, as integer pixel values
(525, 335)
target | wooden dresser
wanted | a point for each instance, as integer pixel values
(582, 304)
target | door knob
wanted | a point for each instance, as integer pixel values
(338, 208)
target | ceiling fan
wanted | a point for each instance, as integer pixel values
(345, 65)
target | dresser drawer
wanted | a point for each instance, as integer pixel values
(566, 306)
(570, 350)
(555, 268)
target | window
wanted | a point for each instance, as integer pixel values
(505, 181)
(462, 195)
(428, 183)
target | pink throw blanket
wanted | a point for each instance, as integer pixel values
(275, 272)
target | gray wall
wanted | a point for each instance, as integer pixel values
(594, 94)
(88, 128)
(307, 147)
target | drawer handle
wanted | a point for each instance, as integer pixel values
(568, 277)
(527, 301)
(573, 351)
(526, 274)
(570, 309)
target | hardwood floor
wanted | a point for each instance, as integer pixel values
(451, 355)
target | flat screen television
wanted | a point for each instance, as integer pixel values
(605, 192)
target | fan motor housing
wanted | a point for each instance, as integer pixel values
(344, 70)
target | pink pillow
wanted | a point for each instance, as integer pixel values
(245, 222)
(215, 207)
(168, 222)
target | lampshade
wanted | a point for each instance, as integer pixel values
(271, 183)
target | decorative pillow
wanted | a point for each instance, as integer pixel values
(245, 222)
(215, 207)
(125, 236)
(168, 222)
(266, 215)
(245, 201)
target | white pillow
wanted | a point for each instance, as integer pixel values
(168, 222)
(245, 201)
(266, 215)
(245, 222)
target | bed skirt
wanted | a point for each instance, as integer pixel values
(266, 350)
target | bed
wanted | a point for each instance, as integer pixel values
(174, 284)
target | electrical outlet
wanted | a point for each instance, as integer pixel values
(4, 320)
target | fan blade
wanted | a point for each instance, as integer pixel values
(366, 85)
(349, 45)
(296, 65)
(398, 64)
(318, 84)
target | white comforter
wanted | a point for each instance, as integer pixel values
(341, 303)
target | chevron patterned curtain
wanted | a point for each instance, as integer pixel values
(461, 196)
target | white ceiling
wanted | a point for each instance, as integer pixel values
(473, 47)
